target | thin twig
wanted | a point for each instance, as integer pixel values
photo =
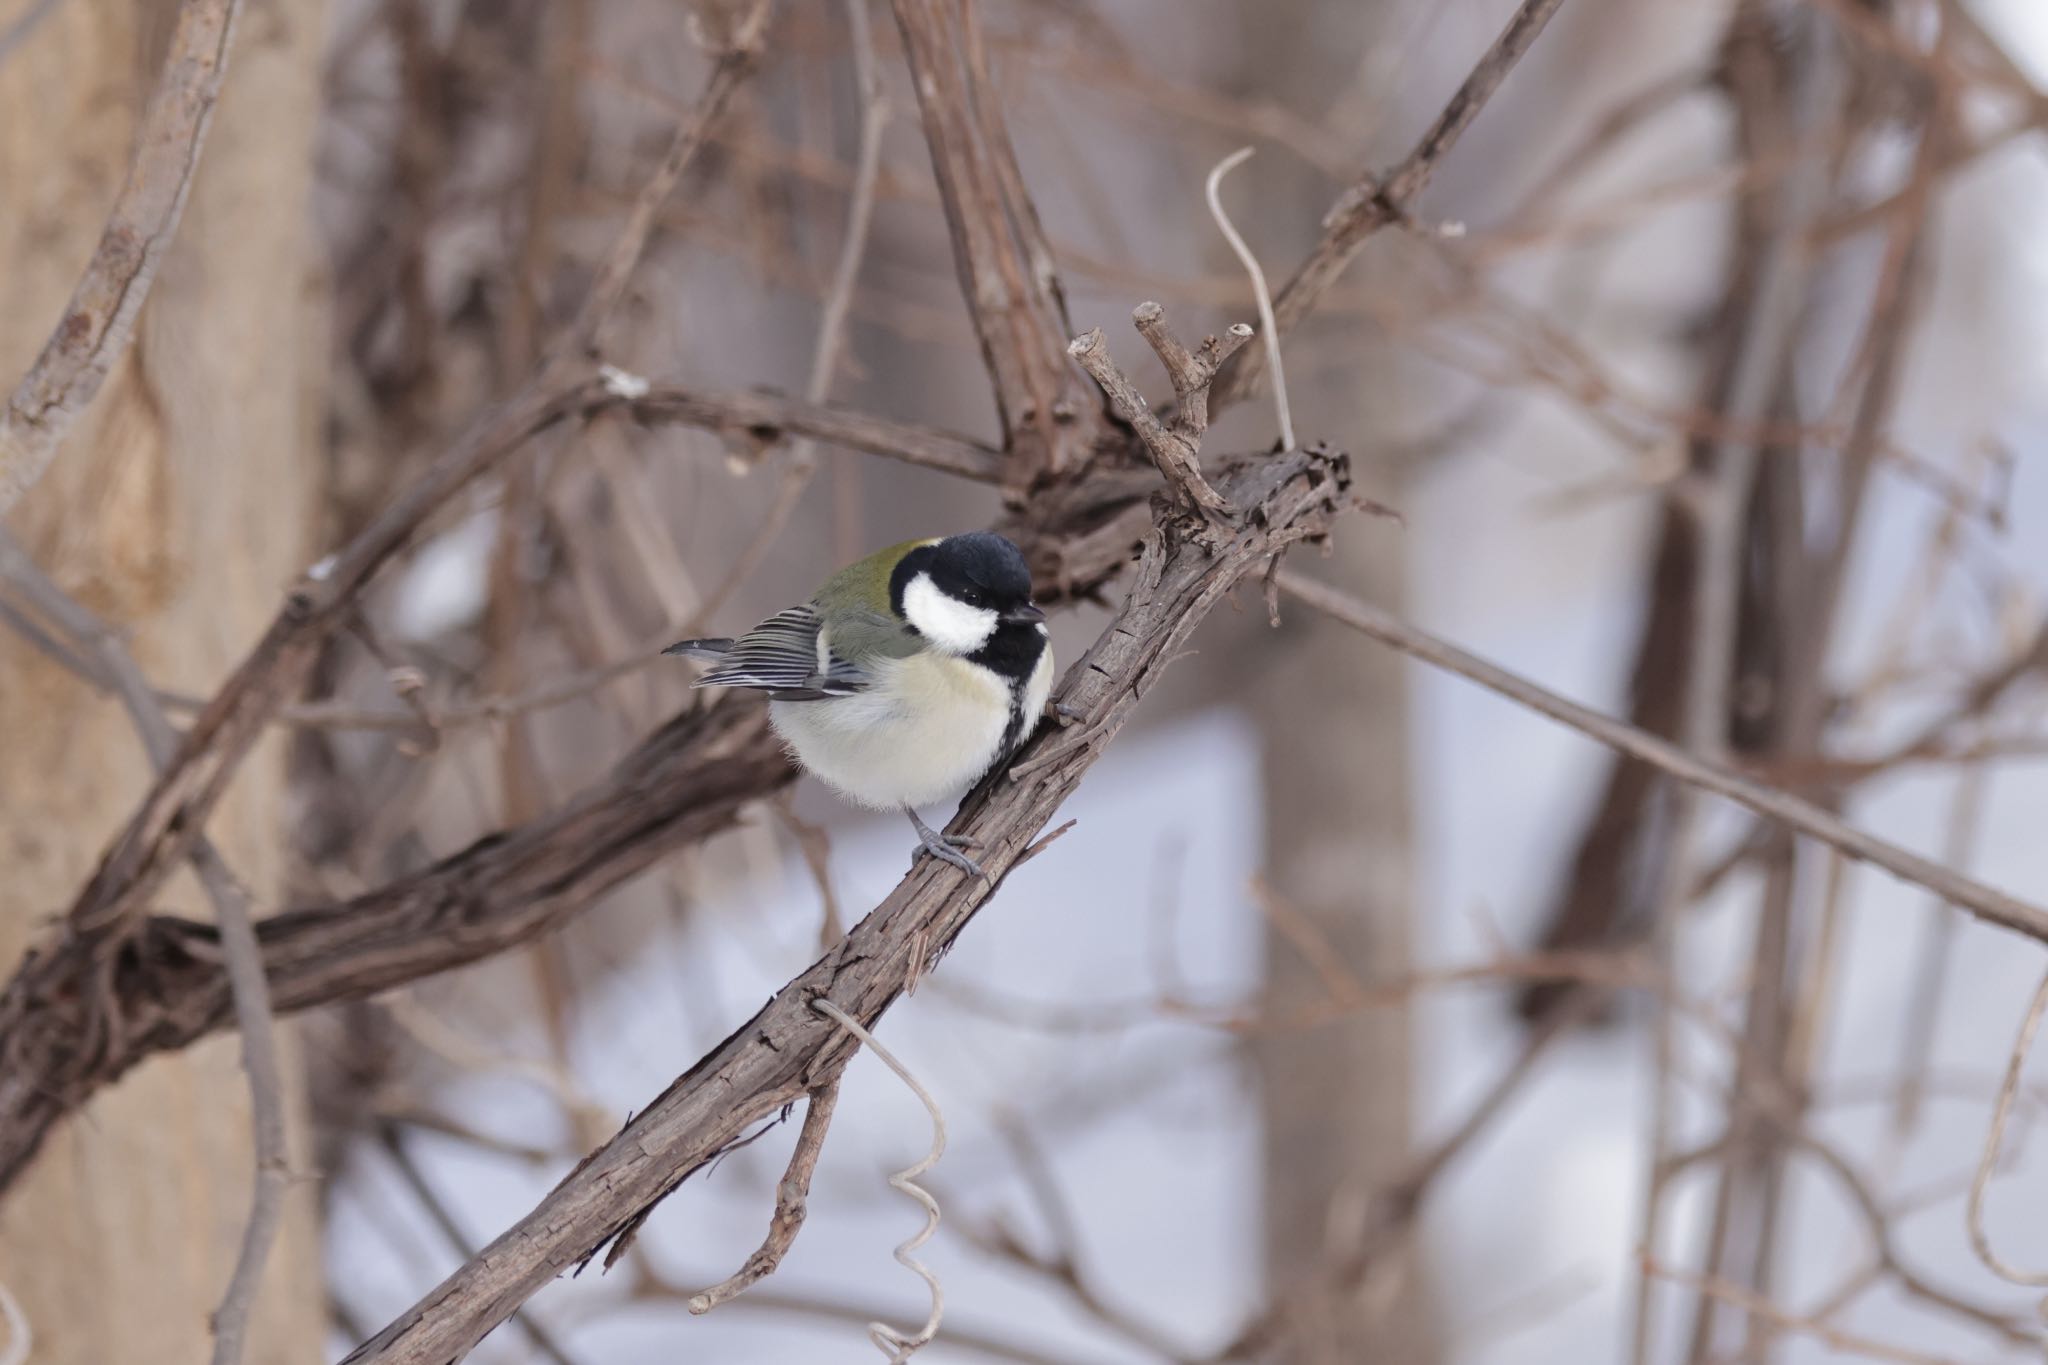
(811, 1304)
(1984, 902)
(736, 57)
(1793, 107)
(1757, 1306)
(434, 1035)
(1933, 955)
(1399, 1202)
(1064, 1264)
(825, 351)
(860, 208)
(1191, 372)
(1879, 1225)
(266, 1094)
(1980, 1241)
(792, 1196)
(100, 317)
(1175, 449)
(814, 844)
(874, 120)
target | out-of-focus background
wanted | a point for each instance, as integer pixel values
(1303, 1044)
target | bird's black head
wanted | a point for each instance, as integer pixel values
(962, 590)
(983, 569)
(979, 569)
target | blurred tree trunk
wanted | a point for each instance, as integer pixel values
(177, 510)
(1332, 714)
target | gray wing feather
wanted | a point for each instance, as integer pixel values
(780, 657)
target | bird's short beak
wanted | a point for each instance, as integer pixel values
(1030, 611)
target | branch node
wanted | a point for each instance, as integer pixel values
(1176, 448)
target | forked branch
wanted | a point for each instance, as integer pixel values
(1175, 445)
(792, 1203)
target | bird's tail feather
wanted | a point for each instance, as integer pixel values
(712, 650)
(718, 651)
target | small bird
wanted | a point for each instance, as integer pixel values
(908, 677)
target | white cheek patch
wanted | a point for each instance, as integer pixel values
(951, 625)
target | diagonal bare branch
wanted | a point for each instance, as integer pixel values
(767, 416)
(1986, 903)
(737, 53)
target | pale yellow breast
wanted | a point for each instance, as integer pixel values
(928, 727)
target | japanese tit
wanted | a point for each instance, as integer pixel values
(906, 678)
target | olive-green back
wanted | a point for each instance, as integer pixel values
(855, 605)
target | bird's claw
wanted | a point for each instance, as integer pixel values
(946, 853)
(946, 847)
